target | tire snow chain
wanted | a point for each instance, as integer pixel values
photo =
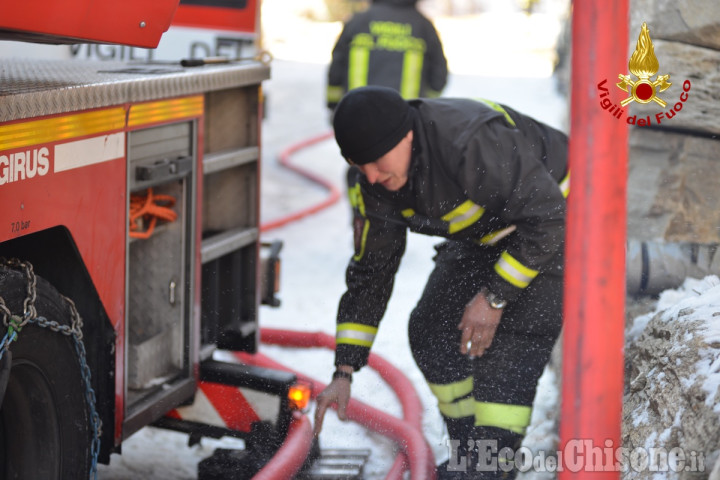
(15, 323)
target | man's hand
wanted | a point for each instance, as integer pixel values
(337, 392)
(478, 326)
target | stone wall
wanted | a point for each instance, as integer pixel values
(674, 186)
(674, 195)
(675, 162)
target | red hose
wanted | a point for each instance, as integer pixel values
(292, 453)
(407, 435)
(398, 468)
(403, 388)
(408, 438)
(284, 160)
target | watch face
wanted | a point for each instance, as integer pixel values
(498, 304)
(495, 302)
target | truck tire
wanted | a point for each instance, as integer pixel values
(45, 431)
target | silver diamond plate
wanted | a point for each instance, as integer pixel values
(32, 88)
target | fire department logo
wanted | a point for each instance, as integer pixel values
(644, 64)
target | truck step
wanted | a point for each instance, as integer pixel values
(337, 464)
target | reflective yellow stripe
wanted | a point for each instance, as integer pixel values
(459, 409)
(433, 94)
(356, 201)
(359, 60)
(334, 93)
(35, 132)
(515, 418)
(494, 237)
(165, 110)
(411, 74)
(463, 216)
(498, 108)
(513, 271)
(449, 392)
(565, 185)
(408, 212)
(355, 334)
(356, 198)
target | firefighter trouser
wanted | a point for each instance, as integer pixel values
(496, 389)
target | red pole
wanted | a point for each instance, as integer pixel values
(595, 250)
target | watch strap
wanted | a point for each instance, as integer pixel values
(340, 374)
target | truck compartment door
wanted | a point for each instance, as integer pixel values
(161, 346)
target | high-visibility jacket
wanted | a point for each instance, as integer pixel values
(391, 44)
(482, 174)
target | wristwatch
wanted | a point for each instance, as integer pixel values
(495, 301)
(341, 374)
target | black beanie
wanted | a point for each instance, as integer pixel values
(369, 122)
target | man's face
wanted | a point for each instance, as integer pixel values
(391, 170)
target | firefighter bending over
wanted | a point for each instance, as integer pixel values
(493, 182)
(390, 44)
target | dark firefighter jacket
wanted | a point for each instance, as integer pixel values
(481, 174)
(392, 45)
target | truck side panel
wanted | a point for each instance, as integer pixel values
(71, 145)
(70, 170)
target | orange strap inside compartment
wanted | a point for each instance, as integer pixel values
(146, 209)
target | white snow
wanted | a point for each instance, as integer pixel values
(317, 248)
(698, 300)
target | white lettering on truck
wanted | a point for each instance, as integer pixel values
(24, 165)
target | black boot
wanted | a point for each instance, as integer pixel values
(495, 449)
(491, 449)
(460, 463)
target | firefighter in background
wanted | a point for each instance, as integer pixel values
(493, 182)
(390, 44)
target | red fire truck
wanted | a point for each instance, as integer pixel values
(130, 246)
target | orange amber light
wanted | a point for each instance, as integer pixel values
(299, 396)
